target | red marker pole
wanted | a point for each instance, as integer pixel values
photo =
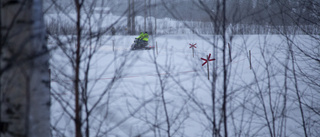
(250, 59)
(206, 61)
(157, 48)
(230, 57)
(112, 45)
(208, 68)
(192, 52)
(193, 46)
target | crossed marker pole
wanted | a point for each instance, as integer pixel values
(193, 46)
(206, 61)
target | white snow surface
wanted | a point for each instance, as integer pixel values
(133, 105)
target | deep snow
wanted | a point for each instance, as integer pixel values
(133, 105)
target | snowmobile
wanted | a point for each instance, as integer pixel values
(140, 45)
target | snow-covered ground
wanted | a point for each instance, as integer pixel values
(148, 92)
(154, 93)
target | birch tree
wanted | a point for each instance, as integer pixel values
(25, 97)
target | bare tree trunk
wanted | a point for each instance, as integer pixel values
(77, 119)
(149, 19)
(155, 18)
(296, 88)
(224, 103)
(133, 27)
(25, 93)
(129, 27)
(145, 15)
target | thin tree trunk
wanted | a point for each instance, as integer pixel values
(77, 110)
(145, 15)
(155, 18)
(224, 103)
(297, 91)
(133, 29)
(149, 19)
(129, 27)
(213, 92)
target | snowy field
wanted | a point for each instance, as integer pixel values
(167, 91)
